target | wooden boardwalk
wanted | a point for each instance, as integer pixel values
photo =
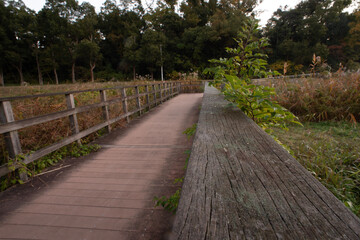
(109, 195)
(241, 184)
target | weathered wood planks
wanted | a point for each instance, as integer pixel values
(240, 184)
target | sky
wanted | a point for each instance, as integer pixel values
(265, 9)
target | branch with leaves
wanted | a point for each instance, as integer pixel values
(234, 75)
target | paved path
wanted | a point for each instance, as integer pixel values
(109, 195)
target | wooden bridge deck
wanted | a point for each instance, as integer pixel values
(109, 195)
(240, 184)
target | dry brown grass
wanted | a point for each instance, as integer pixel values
(315, 99)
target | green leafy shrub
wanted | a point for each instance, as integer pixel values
(234, 75)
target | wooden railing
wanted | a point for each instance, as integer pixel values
(241, 184)
(153, 94)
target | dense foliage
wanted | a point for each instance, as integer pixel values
(68, 41)
(318, 27)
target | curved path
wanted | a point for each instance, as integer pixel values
(109, 194)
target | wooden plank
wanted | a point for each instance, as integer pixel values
(105, 109)
(13, 126)
(74, 125)
(12, 141)
(240, 184)
(154, 93)
(65, 93)
(125, 104)
(11, 137)
(160, 91)
(138, 103)
(147, 97)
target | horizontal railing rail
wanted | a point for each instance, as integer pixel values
(145, 100)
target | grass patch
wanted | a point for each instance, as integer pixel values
(331, 152)
(316, 99)
(38, 166)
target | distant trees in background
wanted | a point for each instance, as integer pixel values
(317, 27)
(69, 42)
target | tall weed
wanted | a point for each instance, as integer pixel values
(315, 99)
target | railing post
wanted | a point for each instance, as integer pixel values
(147, 97)
(105, 109)
(12, 140)
(171, 89)
(179, 87)
(138, 104)
(74, 125)
(125, 105)
(165, 91)
(154, 90)
(161, 98)
(168, 90)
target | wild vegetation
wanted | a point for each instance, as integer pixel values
(328, 143)
(321, 99)
(331, 152)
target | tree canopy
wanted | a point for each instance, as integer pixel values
(69, 42)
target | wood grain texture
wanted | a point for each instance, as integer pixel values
(240, 184)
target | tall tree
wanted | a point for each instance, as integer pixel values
(19, 34)
(68, 11)
(4, 40)
(90, 36)
(52, 28)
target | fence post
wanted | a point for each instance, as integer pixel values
(171, 89)
(105, 109)
(161, 98)
(154, 90)
(147, 97)
(125, 105)
(165, 91)
(12, 140)
(179, 87)
(138, 104)
(74, 125)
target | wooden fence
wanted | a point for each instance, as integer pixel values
(241, 184)
(151, 95)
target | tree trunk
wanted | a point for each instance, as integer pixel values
(19, 68)
(2, 78)
(134, 72)
(56, 76)
(41, 82)
(54, 66)
(92, 66)
(73, 72)
(152, 75)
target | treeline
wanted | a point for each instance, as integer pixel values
(319, 27)
(68, 42)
